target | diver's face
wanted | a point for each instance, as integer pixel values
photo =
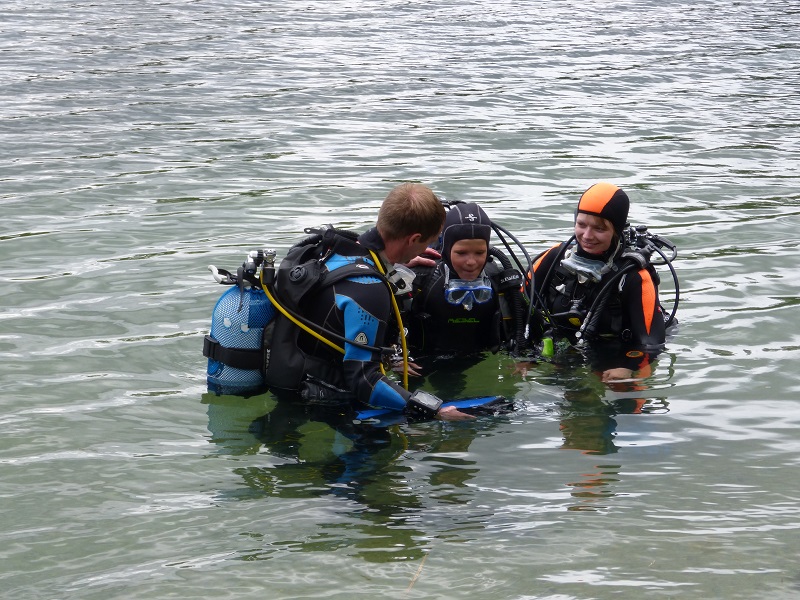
(594, 234)
(468, 258)
(403, 250)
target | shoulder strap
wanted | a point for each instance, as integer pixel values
(356, 269)
(303, 270)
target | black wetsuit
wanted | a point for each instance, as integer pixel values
(631, 320)
(436, 327)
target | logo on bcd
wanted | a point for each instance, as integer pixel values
(297, 273)
(512, 277)
(361, 338)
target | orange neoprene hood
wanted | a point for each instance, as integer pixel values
(607, 201)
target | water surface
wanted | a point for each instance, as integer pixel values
(144, 141)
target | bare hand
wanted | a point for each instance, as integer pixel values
(616, 374)
(426, 259)
(451, 413)
(413, 368)
(521, 367)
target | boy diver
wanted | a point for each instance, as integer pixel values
(465, 303)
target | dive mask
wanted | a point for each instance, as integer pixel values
(586, 269)
(467, 293)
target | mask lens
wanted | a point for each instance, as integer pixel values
(455, 296)
(477, 290)
(482, 294)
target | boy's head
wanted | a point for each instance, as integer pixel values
(464, 222)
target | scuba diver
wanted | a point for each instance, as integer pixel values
(329, 309)
(601, 284)
(470, 300)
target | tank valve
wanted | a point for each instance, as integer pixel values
(269, 257)
(268, 270)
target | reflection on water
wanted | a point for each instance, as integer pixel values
(587, 418)
(588, 412)
(587, 424)
(387, 477)
(385, 480)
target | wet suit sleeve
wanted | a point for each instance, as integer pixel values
(644, 318)
(365, 308)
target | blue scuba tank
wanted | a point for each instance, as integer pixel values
(236, 353)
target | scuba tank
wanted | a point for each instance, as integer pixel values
(260, 313)
(239, 324)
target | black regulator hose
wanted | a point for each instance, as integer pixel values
(671, 318)
(537, 301)
(586, 332)
(515, 299)
(499, 230)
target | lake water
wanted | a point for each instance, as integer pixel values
(143, 141)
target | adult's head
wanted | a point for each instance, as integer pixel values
(601, 217)
(465, 240)
(409, 220)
